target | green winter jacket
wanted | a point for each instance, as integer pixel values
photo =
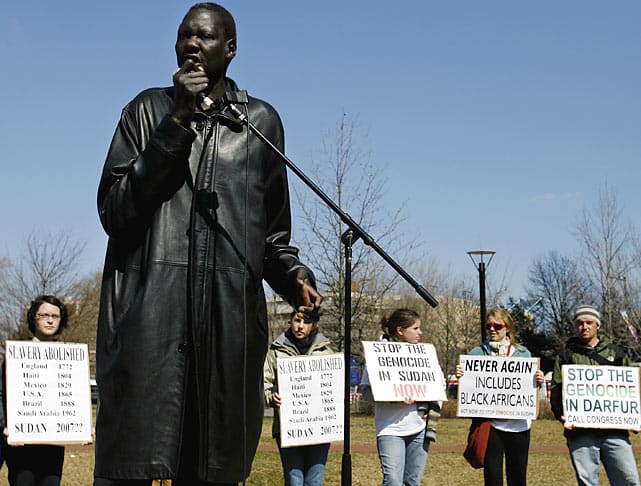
(282, 347)
(577, 352)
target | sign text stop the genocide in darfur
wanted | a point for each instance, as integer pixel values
(601, 396)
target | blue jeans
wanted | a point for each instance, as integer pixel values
(403, 458)
(304, 465)
(588, 449)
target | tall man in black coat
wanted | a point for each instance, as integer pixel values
(197, 212)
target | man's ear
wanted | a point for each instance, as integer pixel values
(231, 49)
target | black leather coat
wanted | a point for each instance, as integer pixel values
(196, 219)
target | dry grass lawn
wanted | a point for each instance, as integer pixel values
(443, 467)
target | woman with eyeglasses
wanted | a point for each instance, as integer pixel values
(36, 465)
(508, 437)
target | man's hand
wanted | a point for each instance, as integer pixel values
(276, 399)
(5, 432)
(309, 300)
(565, 424)
(539, 377)
(458, 371)
(189, 81)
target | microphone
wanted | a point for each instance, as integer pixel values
(228, 98)
(227, 102)
(203, 99)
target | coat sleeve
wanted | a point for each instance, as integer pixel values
(269, 377)
(281, 263)
(477, 351)
(556, 390)
(146, 164)
(365, 388)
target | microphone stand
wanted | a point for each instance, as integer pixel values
(353, 233)
(347, 239)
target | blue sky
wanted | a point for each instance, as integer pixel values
(495, 122)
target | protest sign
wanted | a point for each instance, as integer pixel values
(601, 397)
(311, 390)
(48, 393)
(498, 387)
(399, 371)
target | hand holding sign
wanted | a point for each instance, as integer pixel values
(497, 387)
(48, 393)
(399, 372)
(311, 399)
(601, 397)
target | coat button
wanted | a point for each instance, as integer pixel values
(182, 347)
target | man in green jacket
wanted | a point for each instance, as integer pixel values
(588, 447)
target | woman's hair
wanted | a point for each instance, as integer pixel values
(308, 317)
(503, 316)
(46, 299)
(403, 318)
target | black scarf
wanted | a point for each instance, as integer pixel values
(302, 345)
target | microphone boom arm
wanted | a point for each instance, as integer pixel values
(355, 227)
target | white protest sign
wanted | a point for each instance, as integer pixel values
(399, 371)
(48, 393)
(311, 390)
(498, 387)
(601, 397)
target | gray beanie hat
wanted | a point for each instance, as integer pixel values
(587, 311)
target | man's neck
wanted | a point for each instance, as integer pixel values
(218, 89)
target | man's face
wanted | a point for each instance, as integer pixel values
(201, 40)
(587, 329)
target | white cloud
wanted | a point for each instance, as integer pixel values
(553, 196)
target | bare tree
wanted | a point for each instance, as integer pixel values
(84, 302)
(48, 266)
(5, 299)
(561, 285)
(348, 177)
(453, 326)
(609, 247)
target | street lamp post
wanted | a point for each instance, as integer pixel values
(478, 258)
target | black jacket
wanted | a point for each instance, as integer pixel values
(196, 219)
